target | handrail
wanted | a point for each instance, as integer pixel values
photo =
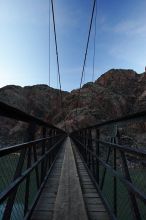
(117, 170)
(138, 152)
(24, 168)
(6, 150)
(14, 113)
(33, 159)
(141, 195)
(14, 184)
(121, 120)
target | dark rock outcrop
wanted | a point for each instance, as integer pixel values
(116, 93)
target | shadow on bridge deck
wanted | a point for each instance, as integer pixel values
(69, 193)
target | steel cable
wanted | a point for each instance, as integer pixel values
(85, 57)
(57, 56)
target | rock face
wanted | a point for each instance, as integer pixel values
(40, 101)
(116, 93)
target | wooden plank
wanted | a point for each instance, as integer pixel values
(95, 208)
(98, 215)
(91, 195)
(42, 215)
(88, 187)
(45, 206)
(93, 200)
(90, 190)
(69, 202)
(47, 199)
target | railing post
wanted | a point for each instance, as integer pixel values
(134, 204)
(105, 169)
(50, 145)
(55, 150)
(27, 190)
(11, 198)
(90, 148)
(50, 134)
(83, 142)
(54, 140)
(97, 154)
(31, 135)
(36, 169)
(43, 171)
(86, 155)
(84, 137)
(115, 179)
(93, 149)
(87, 147)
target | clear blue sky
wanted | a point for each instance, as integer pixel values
(24, 28)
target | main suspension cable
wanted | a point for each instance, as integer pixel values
(85, 57)
(49, 43)
(55, 35)
(57, 56)
(94, 49)
(94, 55)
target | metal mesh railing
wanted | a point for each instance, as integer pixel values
(24, 168)
(23, 173)
(117, 167)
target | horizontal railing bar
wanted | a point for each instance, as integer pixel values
(116, 174)
(137, 152)
(98, 189)
(28, 215)
(12, 149)
(132, 117)
(13, 185)
(131, 187)
(14, 113)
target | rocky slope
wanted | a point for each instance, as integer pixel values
(116, 93)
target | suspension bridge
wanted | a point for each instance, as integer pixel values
(80, 175)
(87, 174)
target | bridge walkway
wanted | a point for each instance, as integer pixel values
(69, 193)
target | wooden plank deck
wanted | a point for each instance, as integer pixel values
(93, 202)
(69, 193)
(69, 202)
(45, 206)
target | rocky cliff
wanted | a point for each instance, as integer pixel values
(116, 93)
